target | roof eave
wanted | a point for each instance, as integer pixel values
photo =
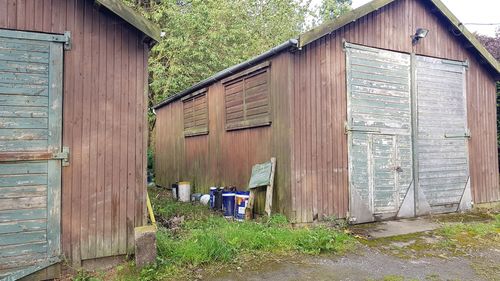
(132, 17)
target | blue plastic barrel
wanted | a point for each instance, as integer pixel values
(213, 190)
(228, 204)
(241, 201)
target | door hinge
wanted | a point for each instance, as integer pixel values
(62, 155)
(67, 43)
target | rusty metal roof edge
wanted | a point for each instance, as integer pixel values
(229, 71)
(132, 17)
(352, 16)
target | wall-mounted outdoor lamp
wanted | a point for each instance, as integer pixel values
(419, 34)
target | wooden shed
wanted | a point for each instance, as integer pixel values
(388, 111)
(73, 133)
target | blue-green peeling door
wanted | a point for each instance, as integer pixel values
(30, 145)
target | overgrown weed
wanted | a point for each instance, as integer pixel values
(203, 238)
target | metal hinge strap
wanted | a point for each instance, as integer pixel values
(63, 155)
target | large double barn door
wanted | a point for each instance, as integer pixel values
(406, 133)
(30, 151)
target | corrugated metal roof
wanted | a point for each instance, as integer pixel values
(132, 17)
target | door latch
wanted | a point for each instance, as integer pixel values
(63, 156)
(466, 135)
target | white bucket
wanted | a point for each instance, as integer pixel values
(184, 191)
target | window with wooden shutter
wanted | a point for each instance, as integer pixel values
(247, 101)
(195, 108)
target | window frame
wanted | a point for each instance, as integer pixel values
(190, 98)
(264, 67)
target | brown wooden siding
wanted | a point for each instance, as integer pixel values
(226, 157)
(320, 175)
(104, 122)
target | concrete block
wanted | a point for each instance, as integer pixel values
(145, 245)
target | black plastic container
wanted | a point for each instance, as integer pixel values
(175, 191)
(218, 199)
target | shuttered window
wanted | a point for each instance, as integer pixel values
(247, 98)
(195, 114)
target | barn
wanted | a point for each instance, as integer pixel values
(388, 111)
(73, 134)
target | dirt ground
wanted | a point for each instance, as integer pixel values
(417, 256)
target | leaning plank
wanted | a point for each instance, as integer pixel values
(269, 190)
(262, 176)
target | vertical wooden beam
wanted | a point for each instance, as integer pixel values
(54, 142)
(270, 188)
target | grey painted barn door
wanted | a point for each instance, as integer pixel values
(407, 135)
(379, 132)
(443, 166)
(30, 146)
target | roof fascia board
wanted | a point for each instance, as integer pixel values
(132, 17)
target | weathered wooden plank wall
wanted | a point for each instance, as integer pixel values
(104, 122)
(226, 157)
(319, 146)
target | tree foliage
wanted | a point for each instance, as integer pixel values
(492, 44)
(203, 37)
(331, 9)
(206, 36)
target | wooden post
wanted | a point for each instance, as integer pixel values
(249, 208)
(269, 190)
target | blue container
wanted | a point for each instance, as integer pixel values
(213, 190)
(228, 204)
(241, 201)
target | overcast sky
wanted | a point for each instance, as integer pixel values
(468, 11)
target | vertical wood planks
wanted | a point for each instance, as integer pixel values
(103, 121)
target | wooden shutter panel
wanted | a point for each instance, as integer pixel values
(247, 101)
(195, 114)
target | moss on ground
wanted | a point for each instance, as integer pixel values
(457, 238)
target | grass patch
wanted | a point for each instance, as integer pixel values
(197, 238)
(461, 238)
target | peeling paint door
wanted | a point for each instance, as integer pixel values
(379, 132)
(30, 138)
(443, 166)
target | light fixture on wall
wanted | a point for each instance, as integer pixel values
(419, 34)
